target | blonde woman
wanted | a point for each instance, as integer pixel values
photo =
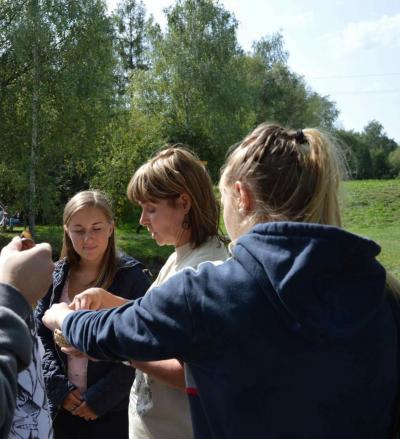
(88, 399)
(292, 337)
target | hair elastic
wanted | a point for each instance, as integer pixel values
(299, 137)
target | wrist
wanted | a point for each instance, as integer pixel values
(62, 315)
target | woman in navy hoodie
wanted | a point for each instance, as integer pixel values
(88, 399)
(293, 337)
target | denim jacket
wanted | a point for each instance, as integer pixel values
(108, 383)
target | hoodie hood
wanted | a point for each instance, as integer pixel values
(323, 281)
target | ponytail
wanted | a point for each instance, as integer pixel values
(293, 175)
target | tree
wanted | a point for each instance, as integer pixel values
(271, 50)
(280, 95)
(380, 146)
(196, 84)
(357, 154)
(131, 139)
(394, 161)
(57, 95)
(131, 40)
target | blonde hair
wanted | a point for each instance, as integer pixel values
(172, 172)
(293, 175)
(98, 200)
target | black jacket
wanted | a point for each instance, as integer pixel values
(108, 384)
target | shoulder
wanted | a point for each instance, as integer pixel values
(211, 250)
(127, 262)
(130, 281)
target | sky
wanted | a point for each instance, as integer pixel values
(348, 50)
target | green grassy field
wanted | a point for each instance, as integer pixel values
(370, 208)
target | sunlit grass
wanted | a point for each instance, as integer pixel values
(370, 208)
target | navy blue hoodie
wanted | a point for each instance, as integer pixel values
(292, 337)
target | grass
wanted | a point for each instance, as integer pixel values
(143, 247)
(371, 208)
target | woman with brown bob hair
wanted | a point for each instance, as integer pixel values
(179, 208)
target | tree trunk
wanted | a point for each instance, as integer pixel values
(35, 115)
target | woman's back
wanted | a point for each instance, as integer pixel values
(315, 354)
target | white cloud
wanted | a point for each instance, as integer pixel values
(381, 33)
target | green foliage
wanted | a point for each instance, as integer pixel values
(372, 154)
(131, 140)
(282, 96)
(394, 161)
(195, 86)
(271, 50)
(357, 154)
(73, 42)
(99, 94)
(130, 42)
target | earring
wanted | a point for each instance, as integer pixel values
(186, 222)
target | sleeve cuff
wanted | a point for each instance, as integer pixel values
(11, 298)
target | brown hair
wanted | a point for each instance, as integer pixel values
(172, 172)
(293, 175)
(82, 200)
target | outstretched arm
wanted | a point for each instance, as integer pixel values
(157, 326)
(96, 298)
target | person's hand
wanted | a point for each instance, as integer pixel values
(53, 318)
(29, 271)
(96, 298)
(72, 401)
(92, 298)
(85, 412)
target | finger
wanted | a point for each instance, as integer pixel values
(14, 245)
(85, 302)
(80, 408)
(43, 249)
(76, 400)
(27, 243)
(77, 303)
(79, 412)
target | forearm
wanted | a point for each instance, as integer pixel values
(169, 372)
(147, 329)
